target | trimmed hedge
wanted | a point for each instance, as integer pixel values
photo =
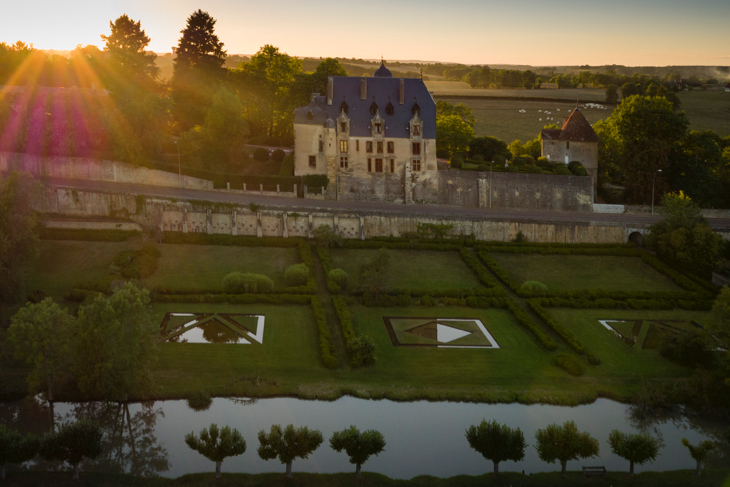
(345, 317)
(325, 338)
(525, 320)
(297, 274)
(608, 303)
(404, 244)
(234, 298)
(247, 283)
(568, 363)
(238, 240)
(324, 256)
(521, 248)
(496, 291)
(86, 235)
(339, 277)
(558, 328)
(681, 280)
(473, 263)
(533, 286)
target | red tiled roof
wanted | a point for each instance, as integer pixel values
(577, 129)
(550, 134)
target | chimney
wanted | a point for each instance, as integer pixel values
(402, 91)
(330, 90)
(363, 88)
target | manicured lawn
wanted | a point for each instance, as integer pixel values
(581, 272)
(618, 359)
(193, 266)
(63, 264)
(428, 270)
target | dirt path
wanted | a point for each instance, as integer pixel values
(338, 341)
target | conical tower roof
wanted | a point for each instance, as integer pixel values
(577, 129)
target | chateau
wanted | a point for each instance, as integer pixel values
(374, 138)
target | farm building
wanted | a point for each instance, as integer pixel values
(575, 141)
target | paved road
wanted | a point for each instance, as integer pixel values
(427, 211)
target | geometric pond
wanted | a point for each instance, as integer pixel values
(231, 328)
(438, 332)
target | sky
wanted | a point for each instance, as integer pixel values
(534, 32)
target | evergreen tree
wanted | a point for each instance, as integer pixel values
(197, 69)
(126, 47)
(217, 445)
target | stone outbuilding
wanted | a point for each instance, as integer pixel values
(374, 138)
(575, 141)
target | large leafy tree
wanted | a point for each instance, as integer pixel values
(697, 168)
(288, 444)
(18, 234)
(684, 237)
(358, 446)
(497, 442)
(487, 147)
(15, 448)
(453, 134)
(217, 445)
(116, 344)
(636, 448)
(72, 442)
(564, 443)
(126, 46)
(197, 69)
(649, 130)
(42, 335)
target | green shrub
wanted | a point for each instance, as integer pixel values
(511, 168)
(564, 333)
(403, 300)
(568, 363)
(199, 401)
(525, 320)
(261, 155)
(278, 155)
(483, 168)
(287, 166)
(325, 338)
(688, 349)
(36, 296)
(544, 162)
(86, 235)
(477, 157)
(533, 286)
(519, 161)
(563, 171)
(316, 180)
(581, 171)
(533, 170)
(456, 162)
(361, 350)
(296, 275)
(573, 165)
(247, 283)
(593, 360)
(428, 301)
(339, 277)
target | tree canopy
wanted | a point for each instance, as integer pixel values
(217, 445)
(698, 452)
(452, 135)
(358, 446)
(497, 442)
(288, 444)
(564, 443)
(126, 46)
(636, 448)
(15, 448)
(72, 442)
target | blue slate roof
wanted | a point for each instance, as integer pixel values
(380, 90)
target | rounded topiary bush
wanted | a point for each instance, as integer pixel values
(278, 155)
(533, 286)
(339, 277)
(563, 171)
(456, 162)
(483, 168)
(519, 161)
(199, 401)
(261, 154)
(247, 283)
(568, 363)
(477, 157)
(296, 275)
(581, 171)
(544, 162)
(533, 170)
(572, 165)
(511, 168)
(428, 301)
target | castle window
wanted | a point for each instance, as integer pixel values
(416, 164)
(373, 109)
(567, 145)
(389, 110)
(378, 165)
(321, 145)
(391, 147)
(343, 146)
(392, 165)
(343, 126)
(416, 130)
(312, 161)
(357, 145)
(370, 165)
(368, 146)
(344, 107)
(380, 147)
(343, 162)
(416, 148)
(310, 116)
(378, 128)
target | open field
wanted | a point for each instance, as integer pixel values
(707, 110)
(189, 266)
(581, 272)
(461, 88)
(425, 270)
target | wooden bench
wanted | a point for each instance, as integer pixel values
(594, 471)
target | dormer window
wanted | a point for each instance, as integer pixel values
(416, 130)
(344, 107)
(389, 110)
(343, 126)
(378, 128)
(373, 109)
(310, 116)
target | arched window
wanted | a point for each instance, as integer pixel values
(416, 110)
(389, 110)
(373, 108)
(310, 116)
(344, 107)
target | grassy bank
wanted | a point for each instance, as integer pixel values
(683, 478)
